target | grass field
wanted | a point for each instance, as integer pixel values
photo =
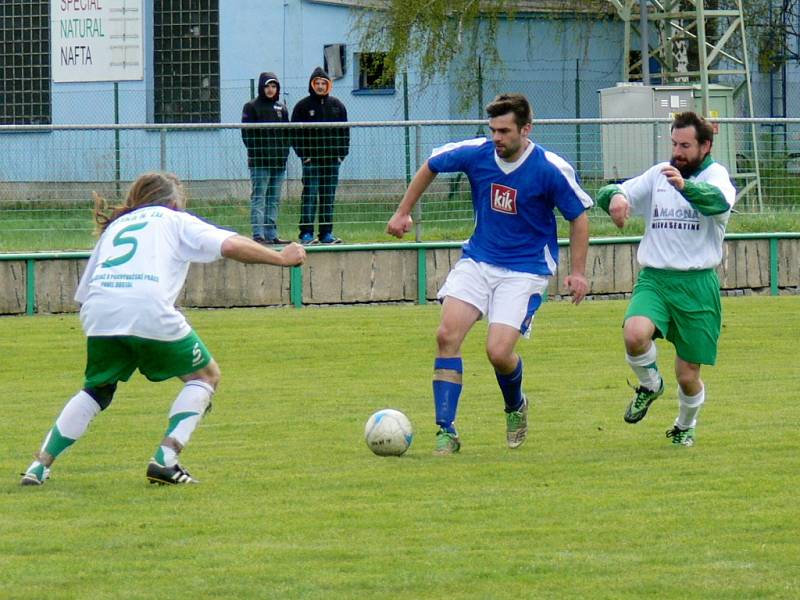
(293, 505)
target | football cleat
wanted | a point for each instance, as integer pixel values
(637, 409)
(681, 437)
(36, 474)
(446, 443)
(517, 425)
(174, 475)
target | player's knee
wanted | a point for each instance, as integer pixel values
(637, 339)
(502, 358)
(102, 394)
(688, 379)
(446, 339)
(211, 374)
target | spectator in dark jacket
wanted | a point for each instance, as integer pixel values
(267, 149)
(322, 150)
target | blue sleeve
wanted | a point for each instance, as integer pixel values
(570, 199)
(455, 156)
(446, 162)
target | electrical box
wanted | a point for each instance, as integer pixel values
(630, 149)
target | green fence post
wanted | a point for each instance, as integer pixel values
(30, 285)
(422, 276)
(296, 286)
(773, 266)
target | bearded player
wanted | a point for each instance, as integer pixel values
(686, 204)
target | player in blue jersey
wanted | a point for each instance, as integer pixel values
(508, 260)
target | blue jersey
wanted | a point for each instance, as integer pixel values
(515, 226)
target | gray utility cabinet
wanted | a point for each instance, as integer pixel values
(630, 149)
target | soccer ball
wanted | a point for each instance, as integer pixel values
(388, 432)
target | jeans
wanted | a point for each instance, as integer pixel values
(319, 191)
(264, 199)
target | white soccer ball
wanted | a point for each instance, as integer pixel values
(388, 432)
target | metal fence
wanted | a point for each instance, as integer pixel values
(50, 172)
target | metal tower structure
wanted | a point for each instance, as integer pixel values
(696, 42)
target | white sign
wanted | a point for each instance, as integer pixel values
(97, 40)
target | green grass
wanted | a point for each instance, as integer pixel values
(28, 227)
(293, 505)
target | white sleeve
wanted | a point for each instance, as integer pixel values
(200, 241)
(639, 190)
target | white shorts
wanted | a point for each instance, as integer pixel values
(503, 296)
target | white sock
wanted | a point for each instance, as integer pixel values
(645, 369)
(688, 407)
(76, 415)
(191, 403)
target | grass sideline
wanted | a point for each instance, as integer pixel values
(292, 504)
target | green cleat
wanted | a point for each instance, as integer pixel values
(36, 474)
(517, 425)
(637, 409)
(446, 443)
(681, 437)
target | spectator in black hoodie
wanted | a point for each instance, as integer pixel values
(267, 150)
(322, 151)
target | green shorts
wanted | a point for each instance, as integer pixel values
(115, 358)
(685, 308)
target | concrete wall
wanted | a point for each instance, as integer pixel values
(348, 277)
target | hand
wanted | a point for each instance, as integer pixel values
(619, 210)
(307, 161)
(399, 225)
(577, 285)
(674, 177)
(294, 254)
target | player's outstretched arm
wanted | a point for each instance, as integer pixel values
(401, 222)
(578, 249)
(245, 250)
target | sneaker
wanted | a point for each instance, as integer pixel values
(517, 425)
(329, 238)
(307, 239)
(681, 437)
(36, 474)
(162, 475)
(276, 241)
(637, 409)
(446, 443)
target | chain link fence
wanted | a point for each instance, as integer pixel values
(50, 172)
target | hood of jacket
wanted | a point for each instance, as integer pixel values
(319, 72)
(265, 78)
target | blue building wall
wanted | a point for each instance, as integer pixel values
(558, 63)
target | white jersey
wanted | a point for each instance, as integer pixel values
(677, 235)
(137, 270)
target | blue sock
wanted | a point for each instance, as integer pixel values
(511, 386)
(446, 390)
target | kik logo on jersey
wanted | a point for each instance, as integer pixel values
(504, 199)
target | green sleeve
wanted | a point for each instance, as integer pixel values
(605, 194)
(705, 197)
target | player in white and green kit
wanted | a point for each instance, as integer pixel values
(686, 204)
(127, 296)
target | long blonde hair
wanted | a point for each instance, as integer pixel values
(149, 189)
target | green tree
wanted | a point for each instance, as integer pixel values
(435, 36)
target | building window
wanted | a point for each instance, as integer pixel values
(333, 56)
(25, 62)
(372, 73)
(186, 61)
